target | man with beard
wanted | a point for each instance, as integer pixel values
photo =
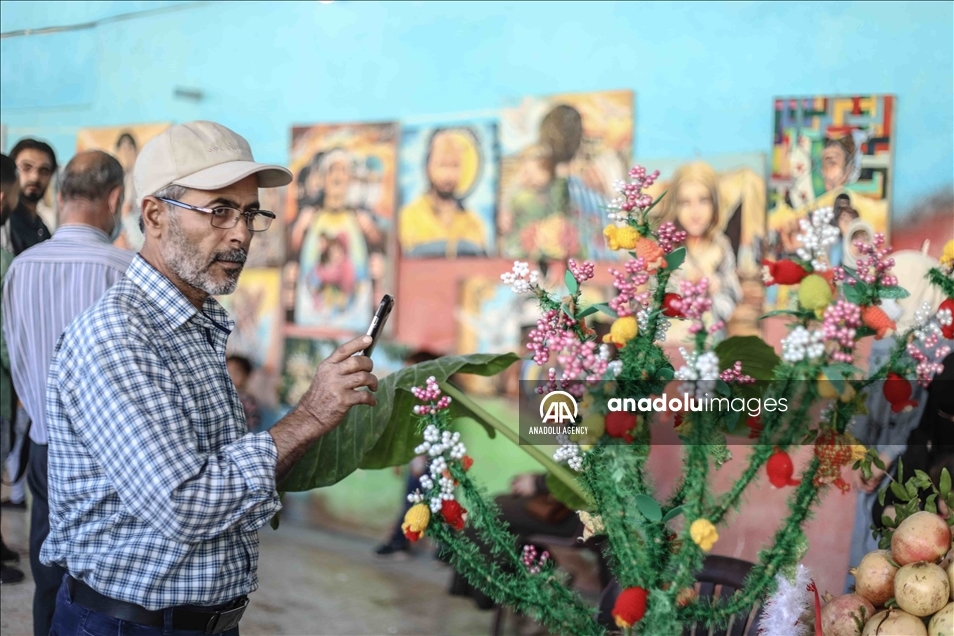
(36, 165)
(46, 287)
(436, 223)
(9, 190)
(157, 489)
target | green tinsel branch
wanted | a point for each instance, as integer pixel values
(529, 598)
(787, 548)
(773, 422)
(541, 590)
(688, 559)
(495, 533)
(601, 474)
(941, 280)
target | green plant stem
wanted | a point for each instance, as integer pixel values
(545, 460)
(600, 467)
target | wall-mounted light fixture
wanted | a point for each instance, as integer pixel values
(191, 94)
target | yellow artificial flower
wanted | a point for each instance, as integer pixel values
(415, 521)
(621, 238)
(827, 390)
(814, 294)
(858, 452)
(947, 256)
(623, 330)
(592, 524)
(704, 534)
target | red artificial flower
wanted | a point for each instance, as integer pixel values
(780, 469)
(897, 391)
(620, 424)
(466, 462)
(948, 330)
(783, 272)
(754, 422)
(454, 513)
(630, 607)
(668, 309)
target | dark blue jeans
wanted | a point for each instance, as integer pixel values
(72, 619)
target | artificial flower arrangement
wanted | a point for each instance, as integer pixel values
(656, 546)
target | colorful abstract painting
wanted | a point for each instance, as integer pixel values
(124, 143)
(255, 308)
(829, 152)
(720, 202)
(560, 156)
(340, 216)
(448, 186)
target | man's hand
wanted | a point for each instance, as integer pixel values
(333, 390)
(338, 385)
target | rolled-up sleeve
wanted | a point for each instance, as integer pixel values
(124, 405)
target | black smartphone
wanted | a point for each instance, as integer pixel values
(377, 323)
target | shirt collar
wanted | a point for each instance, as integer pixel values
(81, 232)
(170, 300)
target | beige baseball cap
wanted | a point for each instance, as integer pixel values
(202, 155)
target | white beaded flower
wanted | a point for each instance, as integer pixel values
(803, 344)
(700, 372)
(816, 237)
(520, 278)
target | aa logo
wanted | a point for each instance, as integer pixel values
(558, 407)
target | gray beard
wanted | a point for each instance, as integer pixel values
(185, 262)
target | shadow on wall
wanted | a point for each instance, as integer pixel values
(931, 218)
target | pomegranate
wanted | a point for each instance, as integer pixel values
(874, 577)
(846, 615)
(943, 621)
(923, 536)
(947, 563)
(894, 623)
(921, 588)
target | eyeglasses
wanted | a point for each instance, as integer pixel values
(227, 218)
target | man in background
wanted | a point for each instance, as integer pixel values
(36, 165)
(46, 287)
(9, 189)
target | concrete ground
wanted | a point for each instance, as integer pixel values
(313, 582)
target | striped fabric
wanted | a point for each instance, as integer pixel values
(47, 286)
(157, 491)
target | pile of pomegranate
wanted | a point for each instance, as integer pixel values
(905, 591)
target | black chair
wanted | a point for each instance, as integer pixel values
(720, 578)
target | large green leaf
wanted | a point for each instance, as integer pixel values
(571, 284)
(386, 434)
(758, 360)
(565, 494)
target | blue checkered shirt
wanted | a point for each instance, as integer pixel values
(157, 490)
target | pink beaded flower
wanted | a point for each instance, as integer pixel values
(694, 302)
(530, 560)
(734, 374)
(669, 236)
(840, 325)
(549, 335)
(581, 272)
(429, 393)
(873, 265)
(632, 198)
(628, 301)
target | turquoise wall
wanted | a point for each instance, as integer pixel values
(704, 76)
(704, 73)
